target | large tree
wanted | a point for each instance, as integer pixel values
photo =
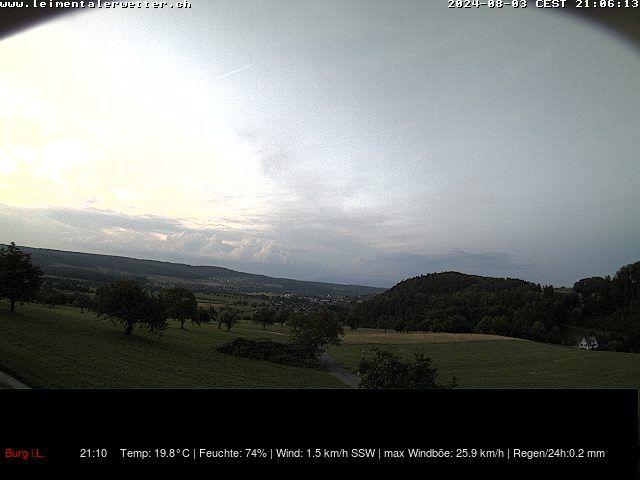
(19, 279)
(283, 317)
(126, 302)
(181, 305)
(50, 296)
(228, 316)
(312, 332)
(82, 301)
(265, 317)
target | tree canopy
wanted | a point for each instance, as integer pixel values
(265, 317)
(315, 330)
(181, 305)
(126, 302)
(19, 279)
(228, 317)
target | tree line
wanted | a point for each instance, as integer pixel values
(606, 303)
(459, 303)
(438, 302)
(124, 301)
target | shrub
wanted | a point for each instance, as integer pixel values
(388, 371)
(269, 351)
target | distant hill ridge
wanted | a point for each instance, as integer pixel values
(450, 282)
(102, 268)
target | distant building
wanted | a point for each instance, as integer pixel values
(588, 343)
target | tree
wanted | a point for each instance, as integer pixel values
(457, 324)
(48, 295)
(82, 301)
(19, 279)
(627, 284)
(538, 332)
(493, 325)
(282, 317)
(548, 291)
(388, 371)
(153, 313)
(265, 317)
(352, 320)
(126, 302)
(383, 322)
(555, 335)
(181, 304)
(228, 316)
(314, 331)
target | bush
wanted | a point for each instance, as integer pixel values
(364, 366)
(388, 371)
(269, 351)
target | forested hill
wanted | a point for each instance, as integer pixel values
(452, 282)
(106, 268)
(450, 301)
(455, 302)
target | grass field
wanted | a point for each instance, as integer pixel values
(61, 348)
(483, 361)
(370, 336)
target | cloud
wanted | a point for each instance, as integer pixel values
(97, 231)
(329, 246)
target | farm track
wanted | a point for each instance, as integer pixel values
(338, 371)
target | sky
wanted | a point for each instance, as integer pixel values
(344, 141)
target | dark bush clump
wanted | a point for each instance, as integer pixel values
(389, 371)
(270, 351)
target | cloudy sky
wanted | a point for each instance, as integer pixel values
(348, 141)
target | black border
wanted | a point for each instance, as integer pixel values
(61, 422)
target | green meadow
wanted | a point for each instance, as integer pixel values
(62, 348)
(508, 363)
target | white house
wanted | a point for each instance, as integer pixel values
(588, 344)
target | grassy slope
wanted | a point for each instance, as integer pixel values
(513, 363)
(61, 348)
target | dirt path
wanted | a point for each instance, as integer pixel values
(7, 381)
(333, 367)
(338, 371)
